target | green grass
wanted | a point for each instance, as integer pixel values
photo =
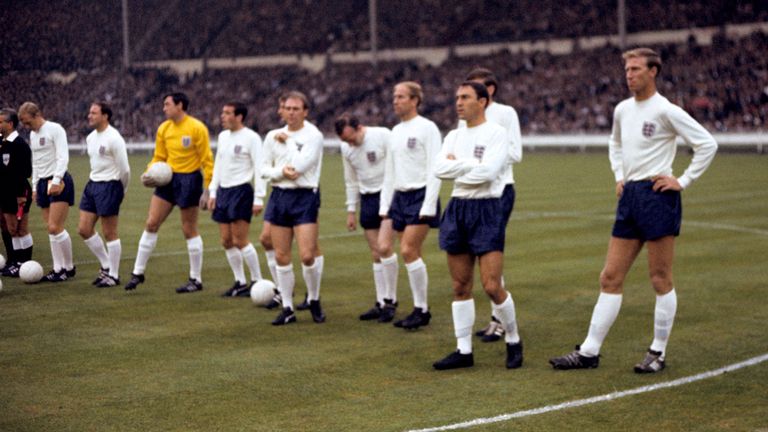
(75, 358)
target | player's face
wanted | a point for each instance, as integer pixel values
(95, 117)
(27, 120)
(294, 113)
(349, 135)
(228, 118)
(468, 106)
(6, 127)
(639, 76)
(172, 110)
(403, 103)
(280, 110)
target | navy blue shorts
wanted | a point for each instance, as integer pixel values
(472, 226)
(102, 198)
(234, 203)
(67, 195)
(184, 190)
(507, 202)
(9, 203)
(369, 210)
(643, 214)
(291, 207)
(405, 210)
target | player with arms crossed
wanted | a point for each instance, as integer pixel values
(505, 116)
(642, 148)
(409, 197)
(292, 162)
(472, 226)
(16, 193)
(104, 192)
(232, 197)
(364, 151)
(182, 142)
(54, 189)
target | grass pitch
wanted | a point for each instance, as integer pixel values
(77, 358)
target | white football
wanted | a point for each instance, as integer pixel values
(2, 262)
(160, 172)
(31, 272)
(262, 292)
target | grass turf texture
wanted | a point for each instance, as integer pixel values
(73, 357)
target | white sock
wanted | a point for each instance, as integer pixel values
(417, 276)
(146, 246)
(26, 241)
(390, 270)
(605, 313)
(312, 280)
(286, 280)
(235, 259)
(115, 251)
(251, 259)
(55, 252)
(663, 318)
(378, 283)
(463, 320)
(506, 314)
(195, 251)
(65, 248)
(320, 260)
(272, 265)
(96, 246)
(495, 314)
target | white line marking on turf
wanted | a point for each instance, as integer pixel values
(596, 399)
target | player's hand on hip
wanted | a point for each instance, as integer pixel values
(665, 183)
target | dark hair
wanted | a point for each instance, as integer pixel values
(480, 90)
(488, 78)
(178, 98)
(11, 116)
(240, 109)
(105, 109)
(345, 120)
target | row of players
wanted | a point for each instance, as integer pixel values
(393, 176)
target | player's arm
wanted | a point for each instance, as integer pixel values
(309, 156)
(447, 166)
(615, 153)
(490, 166)
(701, 141)
(388, 184)
(259, 185)
(161, 147)
(218, 166)
(515, 138)
(432, 145)
(62, 154)
(120, 153)
(22, 168)
(352, 189)
(205, 155)
(269, 170)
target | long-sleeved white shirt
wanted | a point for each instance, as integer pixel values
(303, 150)
(108, 156)
(642, 143)
(364, 164)
(238, 161)
(411, 152)
(506, 116)
(50, 152)
(480, 160)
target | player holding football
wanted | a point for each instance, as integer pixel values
(233, 197)
(182, 142)
(104, 192)
(292, 162)
(16, 193)
(641, 149)
(54, 189)
(364, 151)
(473, 224)
(409, 197)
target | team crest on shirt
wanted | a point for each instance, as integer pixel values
(411, 143)
(649, 128)
(186, 141)
(371, 157)
(42, 141)
(479, 152)
(102, 150)
(6, 159)
(238, 149)
(299, 146)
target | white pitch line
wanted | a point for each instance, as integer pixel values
(596, 399)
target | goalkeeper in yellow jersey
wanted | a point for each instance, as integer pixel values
(182, 142)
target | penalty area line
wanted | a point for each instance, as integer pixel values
(597, 399)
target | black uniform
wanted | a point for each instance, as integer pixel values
(15, 171)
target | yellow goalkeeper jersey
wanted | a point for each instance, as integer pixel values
(185, 146)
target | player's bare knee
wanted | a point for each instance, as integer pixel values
(85, 232)
(462, 290)
(661, 282)
(611, 282)
(409, 253)
(308, 258)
